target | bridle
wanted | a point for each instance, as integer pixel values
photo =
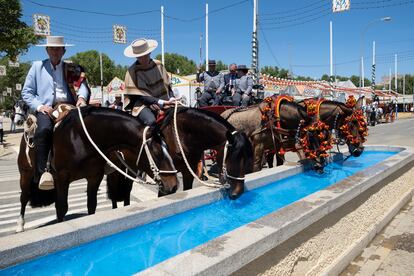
(154, 168)
(225, 173)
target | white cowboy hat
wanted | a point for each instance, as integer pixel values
(54, 41)
(140, 47)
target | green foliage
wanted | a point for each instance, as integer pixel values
(178, 64)
(15, 36)
(14, 75)
(120, 71)
(275, 71)
(409, 83)
(89, 60)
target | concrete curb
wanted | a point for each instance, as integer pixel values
(341, 262)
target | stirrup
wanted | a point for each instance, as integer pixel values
(46, 182)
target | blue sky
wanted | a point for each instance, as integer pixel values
(290, 39)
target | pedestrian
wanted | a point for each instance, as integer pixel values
(117, 104)
(213, 85)
(244, 86)
(2, 115)
(147, 84)
(46, 85)
(12, 123)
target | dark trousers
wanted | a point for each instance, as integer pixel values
(240, 99)
(43, 140)
(147, 117)
(208, 96)
(1, 136)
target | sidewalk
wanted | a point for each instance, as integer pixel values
(392, 251)
(11, 139)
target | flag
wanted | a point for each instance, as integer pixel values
(341, 5)
(18, 86)
(119, 33)
(41, 24)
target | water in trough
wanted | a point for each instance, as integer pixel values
(136, 249)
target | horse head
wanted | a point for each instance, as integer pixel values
(238, 161)
(20, 112)
(164, 172)
(352, 127)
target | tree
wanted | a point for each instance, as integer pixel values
(89, 60)
(270, 70)
(178, 64)
(120, 71)
(15, 75)
(15, 36)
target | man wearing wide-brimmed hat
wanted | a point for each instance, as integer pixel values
(213, 85)
(147, 84)
(244, 86)
(48, 83)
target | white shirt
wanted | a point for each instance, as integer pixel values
(58, 82)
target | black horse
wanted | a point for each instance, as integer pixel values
(198, 131)
(74, 157)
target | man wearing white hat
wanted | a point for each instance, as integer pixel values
(48, 83)
(147, 83)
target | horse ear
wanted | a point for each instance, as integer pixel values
(230, 137)
(359, 102)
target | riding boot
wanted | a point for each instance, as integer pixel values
(42, 153)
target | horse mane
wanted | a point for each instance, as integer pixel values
(73, 118)
(238, 109)
(208, 115)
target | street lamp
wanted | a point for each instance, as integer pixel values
(383, 19)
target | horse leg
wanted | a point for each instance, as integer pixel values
(24, 199)
(269, 159)
(128, 188)
(188, 180)
(279, 160)
(258, 157)
(62, 189)
(92, 191)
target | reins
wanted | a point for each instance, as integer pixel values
(153, 166)
(177, 137)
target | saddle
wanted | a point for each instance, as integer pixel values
(60, 112)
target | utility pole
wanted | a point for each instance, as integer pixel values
(206, 37)
(396, 75)
(255, 46)
(100, 65)
(389, 82)
(331, 49)
(373, 66)
(162, 35)
(404, 93)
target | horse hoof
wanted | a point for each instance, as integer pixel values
(20, 226)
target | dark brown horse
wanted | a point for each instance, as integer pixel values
(74, 157)
(265, 137)
(337, 116)
(198, 131)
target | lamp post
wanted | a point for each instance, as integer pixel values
(384, 19)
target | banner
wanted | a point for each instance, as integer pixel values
(341, 5)
(4, 93)
(41, 24)
(119, 34)
(116, 86)
(9, 90)
(2, 70)
(14, 63)
(18, 87)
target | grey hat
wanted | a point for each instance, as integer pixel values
(242, 67)
(211, 61)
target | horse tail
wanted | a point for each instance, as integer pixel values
(118, 187)
(40, 198)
